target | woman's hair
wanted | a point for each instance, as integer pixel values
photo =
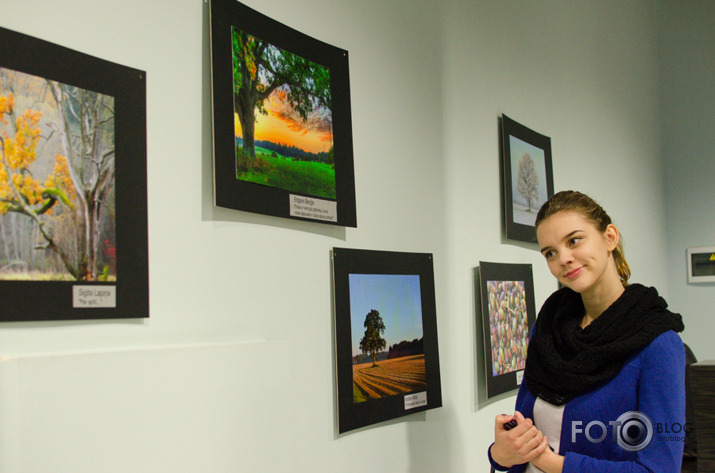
(577, 202)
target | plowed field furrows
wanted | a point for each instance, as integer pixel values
(389, 377)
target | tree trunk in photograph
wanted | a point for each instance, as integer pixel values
(248, 126)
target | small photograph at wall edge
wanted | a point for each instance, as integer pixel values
(701, 264)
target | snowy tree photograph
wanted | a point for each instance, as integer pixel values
(528, 178)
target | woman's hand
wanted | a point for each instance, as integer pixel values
(549, 462)
(519, 445)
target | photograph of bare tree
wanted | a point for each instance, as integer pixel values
(73, 212)
(56, 181)
(386, 336)
(527, 175)
(282, 128)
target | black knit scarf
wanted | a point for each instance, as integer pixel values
(563, 360)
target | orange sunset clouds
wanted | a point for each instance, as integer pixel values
(283, 125)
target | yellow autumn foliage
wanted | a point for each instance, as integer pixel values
(61, 179)
(17, 186)
(7, 103)
(20, 152)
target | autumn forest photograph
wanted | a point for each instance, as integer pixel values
(282, 118)
(57, 179)
(387, 335)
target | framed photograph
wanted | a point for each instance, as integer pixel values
(508, 313)
(282, 132)
(73, 211)
(386, 336)
(701, 264)
(528, 177)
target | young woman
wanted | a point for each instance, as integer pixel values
(605, 371)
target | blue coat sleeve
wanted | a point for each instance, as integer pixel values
(661, 396)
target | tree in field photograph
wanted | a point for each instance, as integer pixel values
(283, 118)
(387, 335)
(528, 168)
(56, 181)
(372, 343)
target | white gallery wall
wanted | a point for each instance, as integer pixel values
(688, 75)
(234, 370)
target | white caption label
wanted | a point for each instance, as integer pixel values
(415, 400)
(89, 297)
(317, 209)
(519, 376)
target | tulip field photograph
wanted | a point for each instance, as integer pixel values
(508, 325)
(508, 312)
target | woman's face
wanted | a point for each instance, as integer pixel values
(577, 253)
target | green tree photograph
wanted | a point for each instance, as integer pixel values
(283, 118)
